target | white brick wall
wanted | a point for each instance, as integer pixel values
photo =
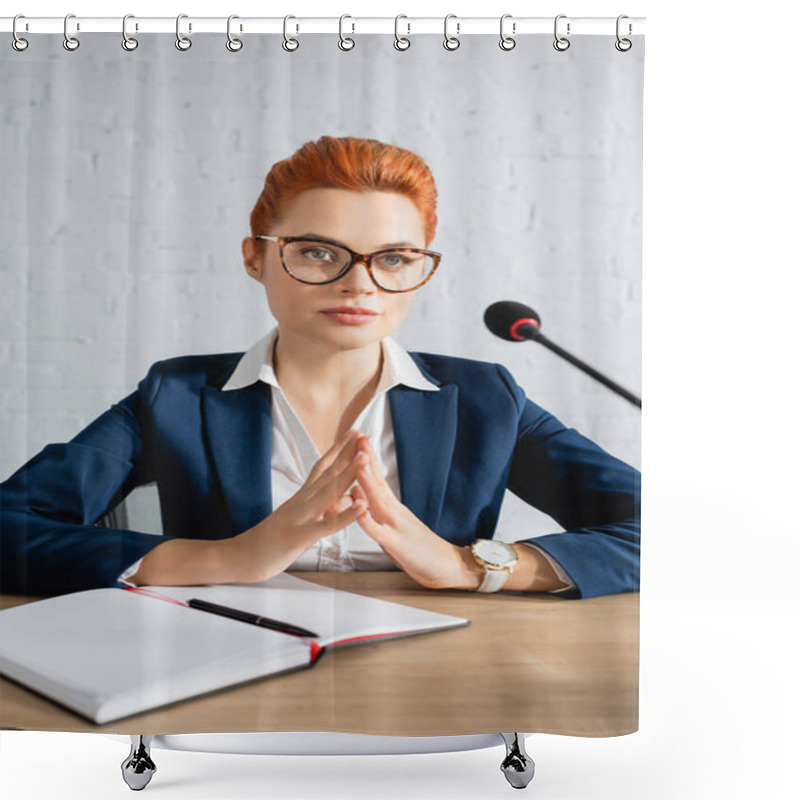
(128, 178)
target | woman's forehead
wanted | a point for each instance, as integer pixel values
(346, 209)
(327, 196)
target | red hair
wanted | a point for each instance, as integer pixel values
(346, 163)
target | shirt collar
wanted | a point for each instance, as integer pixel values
(398, 367)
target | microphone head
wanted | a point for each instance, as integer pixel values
(505, 317)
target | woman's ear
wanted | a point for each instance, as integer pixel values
(251, 254)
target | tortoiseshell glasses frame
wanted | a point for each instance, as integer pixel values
(355, 258)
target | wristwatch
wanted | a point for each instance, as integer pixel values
(497, 559)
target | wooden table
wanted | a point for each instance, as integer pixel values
(533, 663)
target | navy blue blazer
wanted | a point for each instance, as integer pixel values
(458, 450)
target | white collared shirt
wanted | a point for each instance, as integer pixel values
(294, 454)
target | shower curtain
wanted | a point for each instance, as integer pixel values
(128, 181)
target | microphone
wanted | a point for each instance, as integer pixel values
(516, 322)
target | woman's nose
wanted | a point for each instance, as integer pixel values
(358, 277)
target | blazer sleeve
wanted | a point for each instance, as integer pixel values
(594, 496)
(49, 542)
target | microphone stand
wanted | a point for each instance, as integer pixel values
(532, 332)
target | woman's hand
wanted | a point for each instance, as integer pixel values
(320, 507)
(412, 545)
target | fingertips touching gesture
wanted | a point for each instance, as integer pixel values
(319, 508)
(412, 545)
(322, 505)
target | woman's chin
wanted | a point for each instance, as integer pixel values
(347, 337)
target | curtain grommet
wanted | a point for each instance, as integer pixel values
(182, 42)
(289, 44)
(400, 42)
(17, 42)
(507, 42)
(233, 44)
(451, 42)
(70, 42)
(345, 42)
(561, 43)
(129, 43)
(623, 45)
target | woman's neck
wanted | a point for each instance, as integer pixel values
(324, 378)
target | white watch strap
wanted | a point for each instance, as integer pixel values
(493, 580)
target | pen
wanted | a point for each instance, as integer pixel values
(246, 616)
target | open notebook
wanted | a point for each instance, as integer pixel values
(110, 653)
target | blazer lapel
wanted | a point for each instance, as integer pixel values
(238, 427)
(424, 433)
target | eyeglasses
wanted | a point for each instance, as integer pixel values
(399, 269)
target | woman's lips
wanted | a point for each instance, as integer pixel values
(354, 316)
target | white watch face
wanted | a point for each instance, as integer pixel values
(496, 553)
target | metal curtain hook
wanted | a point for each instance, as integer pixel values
(233, 44)
(623, 45)
(128, 42)
(182, 42)
(400, 42)
(290, 44)
(561, 43)
(18, 43)
(507, 42)
(345, 42)
(451, 42)
(70, 42)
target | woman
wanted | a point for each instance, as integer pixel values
(326, 445)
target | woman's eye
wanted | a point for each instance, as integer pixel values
(394, 260)
(318, 254)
